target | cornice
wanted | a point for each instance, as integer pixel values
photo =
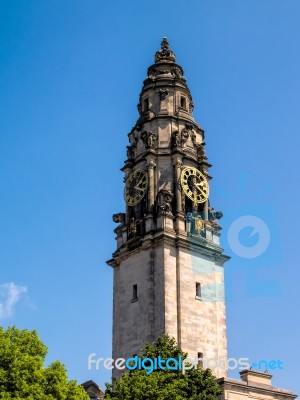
(155, 238)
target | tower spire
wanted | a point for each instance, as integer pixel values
(168, 237)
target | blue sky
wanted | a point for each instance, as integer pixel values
(70, 76)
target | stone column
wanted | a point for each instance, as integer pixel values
(178, 165)
(127, 170)
(151, 190)
(151, 193)
(180, 218)
(205, 210)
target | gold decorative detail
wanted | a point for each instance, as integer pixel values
(194, 184)
(132, 227)
(136, 187)
(199, 224)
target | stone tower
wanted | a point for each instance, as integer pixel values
(168, 266)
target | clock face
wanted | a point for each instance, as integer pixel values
(194, 184)
(136, 187)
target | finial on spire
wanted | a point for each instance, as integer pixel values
(165, 54)
(164, 44)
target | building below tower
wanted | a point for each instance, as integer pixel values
(255, 385)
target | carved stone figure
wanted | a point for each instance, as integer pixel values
(163, 93)
(176, 139)
(149, 139)
(214, 215)
(176, 72)
(189, 126)
(119, 218)
(201, 152)
(155, 71)
(164, 201)
(131, 152)
(184, 135)
(193, 137)
(151, 73)
(132, 227)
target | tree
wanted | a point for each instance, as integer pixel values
(22, 372)
(168, 384)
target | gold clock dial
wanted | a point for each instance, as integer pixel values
(194, 184)
(136, 187)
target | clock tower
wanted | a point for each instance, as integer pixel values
(168, 266)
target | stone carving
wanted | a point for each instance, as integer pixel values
(195, 223)
(149, 139)
(164, 201)
(214, 215)
(165, 54)
(189, 126)
(151, 164)
(119, 218)
(191, 107)
(151, 74)
(132, 227)
(201, 152)
(172, 72)
(184, 135)
(176, 72)
(131, 152)
(154, 71)
(163, 93)
(199, 223)
(176, 139)
(193, 137)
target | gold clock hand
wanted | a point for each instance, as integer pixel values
(138, 187)
(200, 188)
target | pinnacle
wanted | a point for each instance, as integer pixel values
(165, 54)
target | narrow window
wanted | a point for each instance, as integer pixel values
(146, 104)
(200, 360)
(183, 102)
(198, 290)
(134, 293)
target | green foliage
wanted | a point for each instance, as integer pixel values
(195, 384)
(22, 375)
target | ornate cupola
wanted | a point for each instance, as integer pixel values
(168, 225)
(164, 140)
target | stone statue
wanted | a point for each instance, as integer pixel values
(163, 93)
(214, 215)
(149, 139)
(184, 135)
(119, 218)
(176, 72)
(176, 139)
(132, 227)
(130, 152)
(201, 152)
(164, 201)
